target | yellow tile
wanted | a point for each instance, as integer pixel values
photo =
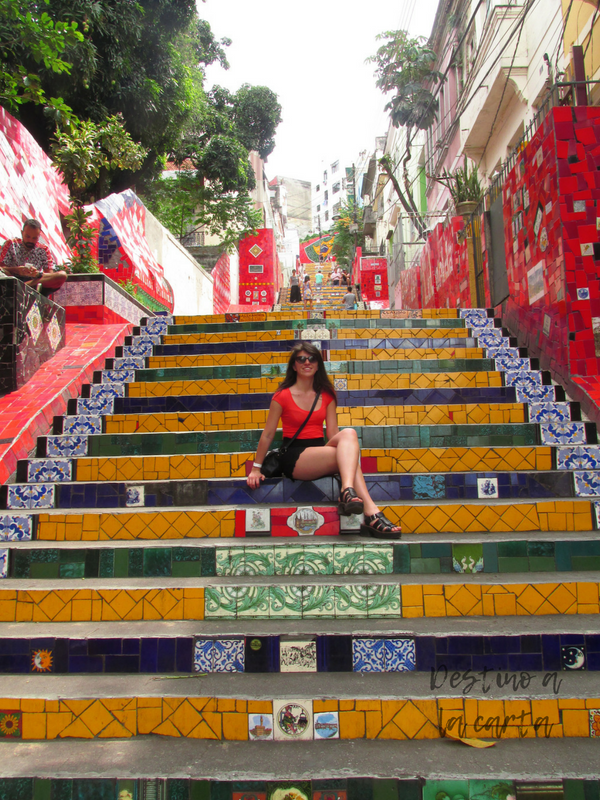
(575, 723)
(352, 724)
(235, 727)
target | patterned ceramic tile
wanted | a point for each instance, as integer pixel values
(42, 470)
(118, 376)
(3, 562)
(549, 412)
(82, 425)
(135, 496)
(260, 727)
(378, 559)
(318, 601)
(348, 559)
(501, 351)
(298, 655)
(487, 488)
(142, 347)
(573, 657)
(318, 559)
(100, 391)
(351, 523)
(383, 600)
(94, 406)
(473, 313)
(400, 655)
(289, 559)
(306, 521)
(467, 558)
(583, 294)
(220, 602)
(503, 364)
(66, 446)
(492, 338)
(285, 602)
(258, 520)
(534, 393)
(34, 322)
(292, 719)
(228, 655)
(157, 325)
(587, 484)
(23, 495)
(555, 433)
(594, 720)
(16, 528)
(350, 601)
(53, 332)
(340, 384)
(523, 380)
(252, 602)
(129, 362)
(327, 725)
(578, 457)
(368, 655)
(203, 655)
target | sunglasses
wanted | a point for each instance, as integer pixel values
(304, 359)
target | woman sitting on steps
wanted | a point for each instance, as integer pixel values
(309, 457)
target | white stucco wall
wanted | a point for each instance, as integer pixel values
(192, 285)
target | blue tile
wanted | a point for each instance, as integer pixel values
(184, 655)
(149, 655)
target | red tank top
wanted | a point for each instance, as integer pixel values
(293, 416)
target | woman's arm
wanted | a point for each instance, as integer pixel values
(331, 424)
(264, 443)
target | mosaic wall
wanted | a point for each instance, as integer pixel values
(96, 299)
(122, 248)
(30, 187)
(260, 274)
(222, 284)
(314, 249)
(33, 330)
(374, 281)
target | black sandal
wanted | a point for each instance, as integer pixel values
(379, 527)
(349, 503)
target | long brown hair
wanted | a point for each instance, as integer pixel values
(321, 382)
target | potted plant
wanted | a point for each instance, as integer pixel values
(464, 187)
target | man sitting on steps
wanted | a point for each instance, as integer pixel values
(31, 262)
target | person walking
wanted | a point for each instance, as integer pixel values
(349, 299)
(319, 282)
(295, 295)
(307, 386)
(308, 296)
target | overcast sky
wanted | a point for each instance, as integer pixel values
(312, 54)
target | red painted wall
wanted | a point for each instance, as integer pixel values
(374, 280)
(221, 285)
(260, 274)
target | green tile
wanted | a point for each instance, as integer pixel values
(545, 549)
(107, 564)
(20, 561)
(157, 562)
(424, 566)
(513, 564)
(72, 570)
(187, 553)
(252, 601)
(45, 571)
(17, 789)
(45, 556)
(259, 560)
(72, 556)
(42, 789)
(512, 549)
(121, 568)
(436, 550)
(401, 559)
(318, 601)
(289, 559)
(135, 562)
(467, 557)
(415, 550)
(385, 789)
(208, 561)
(383, 601)
(220, 602)
(92, 562)
(590, 562)
(186, 569)
(348, 559)
(544, 564)
(562, 555)
(318, 559)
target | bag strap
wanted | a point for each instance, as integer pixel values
(284, 448)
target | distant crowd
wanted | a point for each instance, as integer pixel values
(301, 289)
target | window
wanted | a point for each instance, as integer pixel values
(334, 167)
(326, 216)
(318, 189)
(325, 177)
(255, 268)
(326, 196)
(336, 188)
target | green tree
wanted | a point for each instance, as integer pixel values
(211, 191)
(31, 41)
(406, 67)
(345, 241)
(87, 153)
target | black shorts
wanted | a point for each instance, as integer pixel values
(292, 454)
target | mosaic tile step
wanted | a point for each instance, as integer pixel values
(484, 413)
(348, 597)
(303, 324)
(303, 717)
(226, 465)
(356, 398)
(351, 383)
(218, 492)
(323, 558)
(273, 357)
(373, 436)
(249, 347)
(299, 313)
(342, 368)
(308, 653)
(321, 334)
(550, 516)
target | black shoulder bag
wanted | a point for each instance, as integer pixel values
(271, 466)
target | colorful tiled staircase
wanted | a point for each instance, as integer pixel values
(149, 595)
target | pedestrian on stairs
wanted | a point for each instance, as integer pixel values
(295, 296)
(309, 457)
(308, 297)
(319, 282)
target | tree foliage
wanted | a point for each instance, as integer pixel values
(87, 153)
(405, 66)
(343, 247)
(30, 41)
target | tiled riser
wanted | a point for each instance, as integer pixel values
(342, 602)
(307, 559)
(303, 324)
(252, 654)
(388, 488)
(234, 719)
(405, 436)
